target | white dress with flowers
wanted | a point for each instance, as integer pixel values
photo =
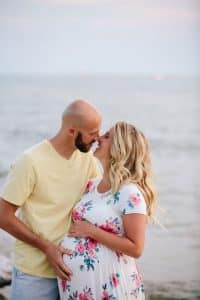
(99, 272)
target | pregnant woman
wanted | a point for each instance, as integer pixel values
(108, 229)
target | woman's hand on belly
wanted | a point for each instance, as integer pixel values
(82, 229)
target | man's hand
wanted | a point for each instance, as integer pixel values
(14, 226)
(55, 257)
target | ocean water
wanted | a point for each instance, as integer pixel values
(167, 110)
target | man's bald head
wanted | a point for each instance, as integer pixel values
(80, 113)
(81, 123)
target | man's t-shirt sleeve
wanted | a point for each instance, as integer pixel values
(20, 181)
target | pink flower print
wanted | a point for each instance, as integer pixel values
(135, 199)
(138, 277)
(91, 253)
(114, 279)
(80, 248)
(84, 296)
(89, 186)
(107, 228)
(64, 285)
(92, 244)
(76, 215)
(110, 226)
(105, 296)
(120, 255)
(138, 280)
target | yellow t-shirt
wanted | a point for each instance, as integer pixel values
(46, 186)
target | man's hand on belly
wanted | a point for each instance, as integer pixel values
(55, 257)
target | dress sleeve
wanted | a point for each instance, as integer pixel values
(131, 200)
(20, 181)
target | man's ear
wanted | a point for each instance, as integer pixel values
(71, 131)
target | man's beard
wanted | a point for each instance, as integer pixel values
(83, 147)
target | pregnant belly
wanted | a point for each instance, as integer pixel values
(88, 254)
(85, 253)
(94, 262)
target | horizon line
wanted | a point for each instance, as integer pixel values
(155, 75)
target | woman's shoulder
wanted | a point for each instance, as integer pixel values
(131, 197)
(130, 188)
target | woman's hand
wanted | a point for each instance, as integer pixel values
(81, 229)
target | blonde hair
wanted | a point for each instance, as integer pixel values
(130, 162)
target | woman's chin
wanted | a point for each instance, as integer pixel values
(97, 154)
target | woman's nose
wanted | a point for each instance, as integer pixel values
(100, 138)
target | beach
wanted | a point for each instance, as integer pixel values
(167, 111)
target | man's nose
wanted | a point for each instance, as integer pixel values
(97, 137)
(100, 138)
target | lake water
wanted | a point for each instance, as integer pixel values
(167, 110)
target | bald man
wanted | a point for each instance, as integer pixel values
(45, 183)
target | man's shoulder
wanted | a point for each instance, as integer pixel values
(35, 149)
(33, 153)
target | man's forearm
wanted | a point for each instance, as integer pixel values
(10, 223)
(20, 231)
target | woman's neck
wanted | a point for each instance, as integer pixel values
(104, 184)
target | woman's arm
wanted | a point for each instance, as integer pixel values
(131, 244)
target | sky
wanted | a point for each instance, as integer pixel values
(100, 36)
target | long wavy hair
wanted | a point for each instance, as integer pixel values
(130, 162)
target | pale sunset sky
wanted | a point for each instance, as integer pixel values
(100, 36)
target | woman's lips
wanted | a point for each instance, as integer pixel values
(95, 146)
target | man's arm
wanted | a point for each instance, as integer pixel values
(10, 223)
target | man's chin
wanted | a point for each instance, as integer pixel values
(89, 147)
(84, 150)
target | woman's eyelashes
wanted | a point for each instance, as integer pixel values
(106, 135)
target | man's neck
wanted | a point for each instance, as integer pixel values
(64, 147)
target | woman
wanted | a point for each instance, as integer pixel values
(108, 229)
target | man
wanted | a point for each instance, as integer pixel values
(45, 183)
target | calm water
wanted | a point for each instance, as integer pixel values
(167, 111)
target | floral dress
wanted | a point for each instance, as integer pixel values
(99, 272)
